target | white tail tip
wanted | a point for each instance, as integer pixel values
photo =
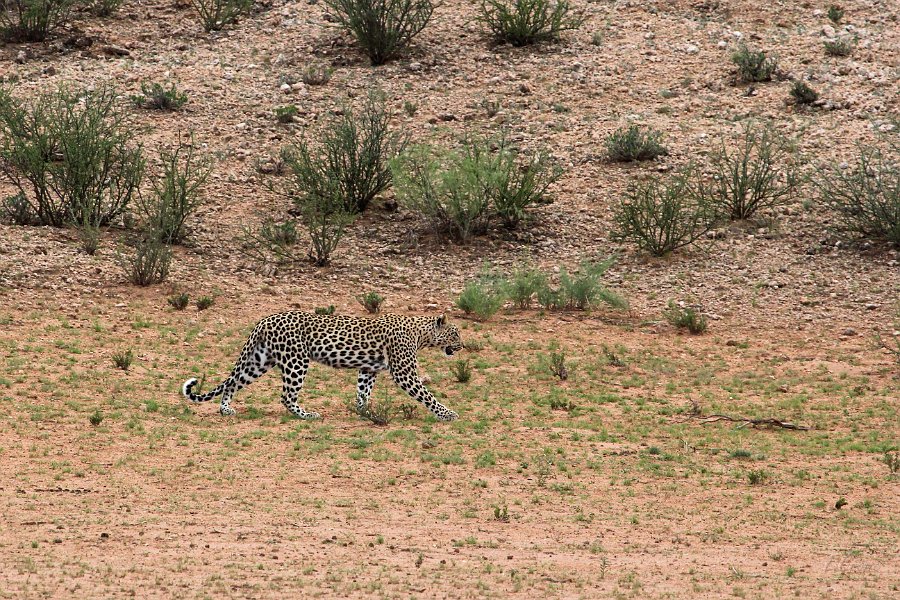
(186, 388)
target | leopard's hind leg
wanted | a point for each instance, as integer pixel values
(255, 360)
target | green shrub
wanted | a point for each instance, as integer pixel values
(835, 13)
(382, 28)
(753, 65)
(751, 177)
(32, 20)
(17, 210)
(96, 418)
(179, 301)
(71, 155)
(839, 47)
(286, 114)
(89, 236)
(524, 22)
(205, 302)
(480, 299)
(462, 370)
(866, 196)
(176, 194)
(325, 310)
(326, 220)
(515, 187)
(216, 14)
(634, 143)
(317, 73)
(272, 242)
(123, 360)
(524, 285)
(660, 216)
(583, 289)
(802, 94)
(758, 476)
(104, 8)
(557, 366)
(156, 96)
(685, 317)
(450, 190)
(149, 262)
(371, 301)
(352, 161)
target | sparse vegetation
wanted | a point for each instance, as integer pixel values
(148, 263)
(449, 190)
(842, 46)
(524, 22)
(524, 285)
(480, 299)
(350, 165)
(272, 242)
(458, 192)
(756, 176)
(71, 155)
(581, 290)
(892, 460)
(205, 302)
(123, 359)
(835, 13)
(325, 310)
(176, 192)
(663, 215)
(318, 73)
(96, 418)
(371, 301)
(866, 195)
(156, 96)
(802, 94)
(32, 20)
(382, 28)
(285, 114)
(558, 365)
(217, 14)
(634, 143)
(462, 370)
(179, 301)
(514, 187)
(753, 66)
(104, 8)
(686, 317)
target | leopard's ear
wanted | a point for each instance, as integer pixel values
(441, 321)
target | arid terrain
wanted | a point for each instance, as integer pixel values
(611, 483)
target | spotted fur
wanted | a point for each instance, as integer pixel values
(291, 340)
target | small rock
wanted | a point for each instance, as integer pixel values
(116, 51)
(828, 31)
(524, 89)
(285, 87)
(849, 332)
(21, 57)
(447, 117)
(691, 49)
(872, 306)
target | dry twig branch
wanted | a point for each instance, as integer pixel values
(696, 413)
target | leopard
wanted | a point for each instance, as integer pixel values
(291, 340)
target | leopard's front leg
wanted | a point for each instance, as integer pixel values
(405, 374)
(364, 383)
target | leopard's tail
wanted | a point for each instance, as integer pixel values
(190, 383)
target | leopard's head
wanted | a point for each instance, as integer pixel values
(446, 335)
